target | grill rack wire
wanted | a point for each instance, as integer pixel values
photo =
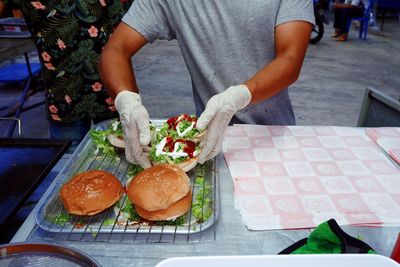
(97, 228)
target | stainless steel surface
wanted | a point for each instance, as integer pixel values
(51, 214)
(42, 254)
(231, 236)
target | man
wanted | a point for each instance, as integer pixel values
(69, 36)
(241, 55)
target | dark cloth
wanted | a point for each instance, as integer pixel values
(74, 131)
(343, 16)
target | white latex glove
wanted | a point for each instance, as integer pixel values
(216, 117)
(135, 124)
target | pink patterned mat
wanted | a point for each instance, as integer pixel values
(288, 177)
(388, 139)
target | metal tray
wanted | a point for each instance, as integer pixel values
(43, 254)
(86, 158)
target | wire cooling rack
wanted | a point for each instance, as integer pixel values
(113, 225)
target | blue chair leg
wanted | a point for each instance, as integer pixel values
(365, 30)
(360, 33)
(348, 26)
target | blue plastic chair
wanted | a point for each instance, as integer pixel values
(364, 20)
(17, 73)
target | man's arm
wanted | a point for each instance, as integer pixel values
(291, 41)
(117, 75)
(115, 64)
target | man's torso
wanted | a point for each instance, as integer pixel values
(223, 42)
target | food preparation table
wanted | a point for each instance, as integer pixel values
(231, 236)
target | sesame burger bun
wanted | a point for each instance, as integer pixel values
(91, 192)
(161, 192)
(116, 141)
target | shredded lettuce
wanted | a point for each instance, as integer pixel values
(183, 125)
(164, 158)
(165, 131)
(129, 208)
(109, 221)
(116, 129)
(133, 170)
(202, 204)
(62, 218)
(99, 137)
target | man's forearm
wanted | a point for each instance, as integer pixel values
(291, 42)
(274, 77)
(116, 70)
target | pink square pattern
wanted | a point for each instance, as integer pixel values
(248, 186)
(388, 139)
(257, 142)
(308, 141)
(291, 177)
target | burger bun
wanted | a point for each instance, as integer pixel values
(116, 141)
(91, 192)
(161, 192)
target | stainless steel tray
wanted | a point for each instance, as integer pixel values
(43, 254)
(50, 213)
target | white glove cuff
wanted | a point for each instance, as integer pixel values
(126, 97)
(243, 92)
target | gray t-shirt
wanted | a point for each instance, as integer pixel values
(223, 43)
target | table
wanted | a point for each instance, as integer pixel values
(232, 237)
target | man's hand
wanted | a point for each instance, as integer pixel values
(216, 117)
(135, 124)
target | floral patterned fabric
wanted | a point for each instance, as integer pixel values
(69, 35)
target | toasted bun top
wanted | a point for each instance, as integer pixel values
(91, 192)
(158, 187)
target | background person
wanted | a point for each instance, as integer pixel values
(241, 55)
(69, 36)
(343, 13)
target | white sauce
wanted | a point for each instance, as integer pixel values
(174, 154)
(182, 134)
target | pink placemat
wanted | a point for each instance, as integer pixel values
(289, 177)
(388, 139)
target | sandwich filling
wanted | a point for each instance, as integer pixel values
(174, 142)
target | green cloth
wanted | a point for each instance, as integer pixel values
(328, 238)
